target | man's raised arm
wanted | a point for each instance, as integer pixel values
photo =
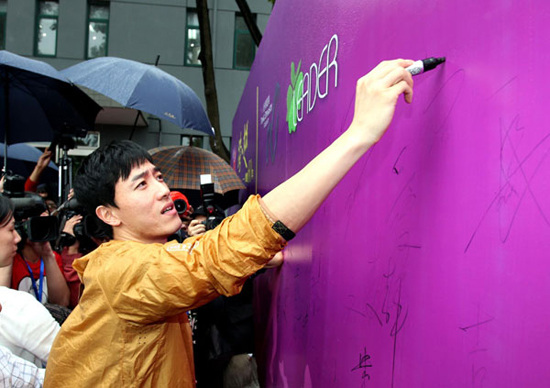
(295, 201)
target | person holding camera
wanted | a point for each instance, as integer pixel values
(223, 330)
(197, 225)
(70, 251)
(38, 270)
(184, 209)
(131, 326)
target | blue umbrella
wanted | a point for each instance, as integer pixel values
(142, 87)
(37, 102)
(24, 152)
(22, 159)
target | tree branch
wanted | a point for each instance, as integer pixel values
(250, 22)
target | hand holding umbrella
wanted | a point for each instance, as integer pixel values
(41, 164)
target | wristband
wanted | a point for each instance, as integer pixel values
(281, 228)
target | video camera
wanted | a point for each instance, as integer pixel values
(89, 227)
(213, 212)
(27, 209)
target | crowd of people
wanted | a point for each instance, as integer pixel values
(128, 306)
(39, 289)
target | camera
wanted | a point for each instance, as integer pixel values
(27, 210)
(181, 203)
(89, 227)
(213, 212)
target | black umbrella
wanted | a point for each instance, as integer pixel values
(37, 102)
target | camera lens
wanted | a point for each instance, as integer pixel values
(181, 206)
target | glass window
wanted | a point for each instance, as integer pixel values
(195, 141)
(91, 140)
(46, 29)
(3, 15)
(192, 39)
(98, 29)
(244, 47)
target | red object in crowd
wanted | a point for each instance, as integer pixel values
(181, 203)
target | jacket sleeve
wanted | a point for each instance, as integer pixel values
(164, 280)
(31, 185)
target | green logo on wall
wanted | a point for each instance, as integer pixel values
(306, 87)
(295, 90)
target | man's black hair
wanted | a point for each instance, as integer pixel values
(94, 184)
(6, 210)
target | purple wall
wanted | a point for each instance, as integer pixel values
(428, 266)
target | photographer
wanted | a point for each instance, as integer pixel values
(184, 210)
(197, 225)
(223, 329)
(36, 267)
(38, 270)
(69, 252)
(80, 235)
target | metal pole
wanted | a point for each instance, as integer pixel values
(6, 116)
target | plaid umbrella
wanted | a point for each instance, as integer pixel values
(183, 165)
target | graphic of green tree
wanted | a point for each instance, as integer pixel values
(295, 90)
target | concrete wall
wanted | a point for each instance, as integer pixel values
(140, 30)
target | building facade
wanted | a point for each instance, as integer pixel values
(65, 32)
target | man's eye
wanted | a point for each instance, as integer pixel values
(160, 178)
(140, 184)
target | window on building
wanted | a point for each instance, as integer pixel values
(192, 39)
(189, 140)
(98, 29)
(244, 47)
(46, 28)
(3, 15)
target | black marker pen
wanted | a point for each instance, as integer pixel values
(423, 65)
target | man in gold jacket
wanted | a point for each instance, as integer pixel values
(130, 328)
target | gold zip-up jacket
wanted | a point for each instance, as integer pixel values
(130, 328)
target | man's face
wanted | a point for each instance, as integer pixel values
(8, 243)
(145, 211)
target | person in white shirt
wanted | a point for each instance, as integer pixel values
(27, 329)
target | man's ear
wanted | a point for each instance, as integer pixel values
(107, 215)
